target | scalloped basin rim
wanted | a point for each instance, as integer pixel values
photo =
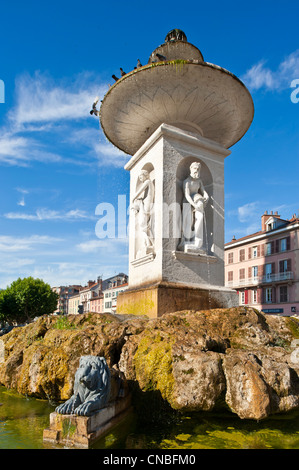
(138, 103)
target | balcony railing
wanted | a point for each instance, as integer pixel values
(257, 280)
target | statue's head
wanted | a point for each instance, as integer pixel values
(144, 175)
(92, 373)
(195, 169)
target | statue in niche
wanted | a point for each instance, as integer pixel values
(142, 205)
(194, 201)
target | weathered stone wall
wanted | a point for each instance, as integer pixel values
(193, 360)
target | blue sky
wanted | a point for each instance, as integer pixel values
(55, 164)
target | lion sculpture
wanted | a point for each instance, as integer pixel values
(91, 387)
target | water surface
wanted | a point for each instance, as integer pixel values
(22, 421)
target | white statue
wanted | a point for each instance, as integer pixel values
(142, 204)
(194, 201)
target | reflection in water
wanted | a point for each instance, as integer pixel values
(22, 421)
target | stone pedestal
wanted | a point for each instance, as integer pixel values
(83, 431)
(160, 298)
(163, 277)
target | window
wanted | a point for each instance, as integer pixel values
(255, 272)
(268, 249)
(268, 295)
(242, 274)
(254, 296)
(242, 255)
(230, 276)
(283, 294)
(108, 304)
(283, 244)
(254, 252)
(284, 266)
(230, 258)
(268, 271)
(242, 294)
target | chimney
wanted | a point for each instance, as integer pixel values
(265, 217)
(100, 282)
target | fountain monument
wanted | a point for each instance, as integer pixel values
(177, 116)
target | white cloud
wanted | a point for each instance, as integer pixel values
(21, 202)
(41, 100)
(47, 214)
(259, 76)
(109, 244)
(19, 150)
(47, 108)
(248, 211)
(10, 243)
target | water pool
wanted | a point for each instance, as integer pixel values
(22, 421)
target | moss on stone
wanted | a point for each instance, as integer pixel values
(153, 365)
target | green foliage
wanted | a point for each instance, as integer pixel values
(26, 299)
(62, 323)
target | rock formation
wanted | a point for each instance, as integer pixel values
(194, 360)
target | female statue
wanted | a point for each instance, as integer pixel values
(142, 204)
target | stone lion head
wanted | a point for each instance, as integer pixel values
(93, 374)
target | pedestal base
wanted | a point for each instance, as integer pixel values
(163, 297)
(83, 431)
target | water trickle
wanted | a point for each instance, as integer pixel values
(69, 430)
(208, 261)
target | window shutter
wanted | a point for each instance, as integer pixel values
(263, 250)
(289, 263)
(288, 243)
(281, 266)
(260, 295)
(276, 246)
(273, 268)
(273, 294)
(249, 253)
(272, 248)
(246, 297)
(259, 250)
(249, 272)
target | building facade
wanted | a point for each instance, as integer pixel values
(92, 290)
(73, 304)
(65, 292)
(264, 267)
(116, 285)
(96, 304)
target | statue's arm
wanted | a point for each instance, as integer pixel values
(206, 197)
(187, 194)
(141, 189)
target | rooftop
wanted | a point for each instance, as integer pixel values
(271, 224)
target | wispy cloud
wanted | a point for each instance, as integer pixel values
(259, 76)
(109, 244)
(47, 214)
(9, 243)
(248, 211)
(39, 99)
(43, 124)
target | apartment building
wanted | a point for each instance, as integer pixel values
(65, 292)
(96, 303)
(73, 304)
(115, 285)
(92, 290)
(98, 296)
(264, 267)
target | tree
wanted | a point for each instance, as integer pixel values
(26, 299)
